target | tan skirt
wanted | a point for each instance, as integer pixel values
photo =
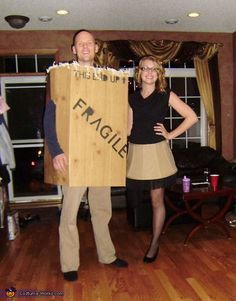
(150, 161)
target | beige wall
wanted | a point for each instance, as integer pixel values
(61, 40)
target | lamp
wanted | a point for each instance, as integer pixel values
(17, 21)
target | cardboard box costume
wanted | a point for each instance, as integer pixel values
(91, 124)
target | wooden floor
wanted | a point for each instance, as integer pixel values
(204, 270)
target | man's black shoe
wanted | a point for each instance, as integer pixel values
(71, 276)
(119, 263)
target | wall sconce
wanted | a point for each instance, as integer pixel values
(17, 21)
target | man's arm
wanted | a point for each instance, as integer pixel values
(49, 122)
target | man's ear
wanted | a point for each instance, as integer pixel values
(96, 48)
(73, 49)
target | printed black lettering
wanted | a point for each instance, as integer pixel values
(95, 76)
(78, 73)
(114, 144)
(80, 103)
(98, 121)
(87, 75)
(105, 131)
(112, 79)
(89, 112)
(124, 150)
(104, 77)
(109, 141)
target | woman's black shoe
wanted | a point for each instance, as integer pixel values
(151, 259)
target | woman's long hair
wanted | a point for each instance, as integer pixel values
(161, 83)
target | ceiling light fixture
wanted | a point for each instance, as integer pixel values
(62, 12)
(45, 19)
(193, 15)
(17, 21)
(171, 21)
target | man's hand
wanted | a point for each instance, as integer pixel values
(60, 162)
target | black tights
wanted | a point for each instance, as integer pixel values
(158, 208)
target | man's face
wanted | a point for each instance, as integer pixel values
(85, 48)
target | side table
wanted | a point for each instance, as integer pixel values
(193, 201)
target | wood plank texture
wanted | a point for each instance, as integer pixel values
(205, 270)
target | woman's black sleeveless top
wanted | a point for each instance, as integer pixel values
(146, 113)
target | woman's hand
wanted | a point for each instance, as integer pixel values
(60, 162)
(189, 118)
(159, 129)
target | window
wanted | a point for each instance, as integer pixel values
(182, 81)
(26, 98)
(19, 63)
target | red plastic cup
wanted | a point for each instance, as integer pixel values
(214, 180)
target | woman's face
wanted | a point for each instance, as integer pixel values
(148, 72)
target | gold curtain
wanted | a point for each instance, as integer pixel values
(208, 50)
(205, 87)
(163, 50)
(105, 56)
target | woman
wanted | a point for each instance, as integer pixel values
(150, 161)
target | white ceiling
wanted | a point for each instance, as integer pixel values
(141, 15)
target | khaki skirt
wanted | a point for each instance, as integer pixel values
(150, 161)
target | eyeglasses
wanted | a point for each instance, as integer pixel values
(147, 69)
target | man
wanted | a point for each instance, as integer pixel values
(84, 47)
